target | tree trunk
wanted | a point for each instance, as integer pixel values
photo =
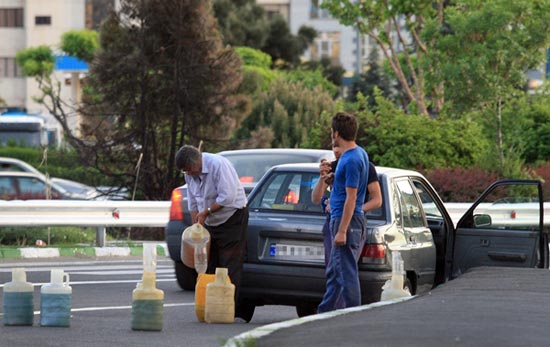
(499, 132)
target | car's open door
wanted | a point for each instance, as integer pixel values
(504, 227)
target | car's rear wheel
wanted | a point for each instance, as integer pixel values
(306, 309)
(186, 276)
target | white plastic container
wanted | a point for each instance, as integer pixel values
(393, 289)
(56, 300)
(195, 245)
(147, 300)
(18, 299)
(220, 299)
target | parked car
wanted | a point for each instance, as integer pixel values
(27, 186)
(251, 165)
(284, 261)
(75, 189)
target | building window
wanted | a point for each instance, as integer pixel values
(43, 20)
(9, 68)
(316, 12)
(326, 45)
(11, 17)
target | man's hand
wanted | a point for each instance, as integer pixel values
(340, 238)
(324, 167)
(201, 217)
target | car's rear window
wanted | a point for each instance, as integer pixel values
(251, 167)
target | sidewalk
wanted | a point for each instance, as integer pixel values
(487, 306)
(84, 251)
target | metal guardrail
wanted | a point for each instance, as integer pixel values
(99, 214)
(108, 213)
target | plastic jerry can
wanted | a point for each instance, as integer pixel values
(147, 304)
(220, 299)
(200, 294)
(393, 288)
(18, 299)
(195, 246)
(56, 300)
(147, 300)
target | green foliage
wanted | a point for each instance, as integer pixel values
(311, 79)
(284, 116)
(526, 126)
(36, 61)
(258, 74)
(80, 43)
(411, 141)
(254, 57)
(25, 236)
(487, 48)
(332, 72)
(244, 23)
(158, 81)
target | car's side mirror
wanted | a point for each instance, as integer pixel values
(482, 220)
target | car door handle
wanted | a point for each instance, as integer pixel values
(277, 219)
(505, 256)
(484, 243)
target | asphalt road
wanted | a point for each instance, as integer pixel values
(487, 306)
(101, 310)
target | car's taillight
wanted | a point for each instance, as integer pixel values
(374, 253)
(176, 208)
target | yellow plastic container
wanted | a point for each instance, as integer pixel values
(200, 294)
(220, 299)
(147, 304)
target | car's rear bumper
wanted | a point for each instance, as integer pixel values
(292, 285)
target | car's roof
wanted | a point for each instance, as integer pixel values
(389, 171)
(21, 174)
(17, 162)
(302, 151)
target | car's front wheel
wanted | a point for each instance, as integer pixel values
(186, 276)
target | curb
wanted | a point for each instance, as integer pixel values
(251, 337)
(53, 252)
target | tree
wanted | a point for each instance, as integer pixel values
(284, 115)
(245, 23)
(368, 81)
(433, 46)
(161, 78)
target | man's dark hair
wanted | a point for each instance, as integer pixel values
(346, 125)
(187, 156)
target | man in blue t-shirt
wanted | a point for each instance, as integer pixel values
(347, 222)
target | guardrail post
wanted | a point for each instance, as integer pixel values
(100, 236)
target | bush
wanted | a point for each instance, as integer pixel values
(27, 236)
(460, 184)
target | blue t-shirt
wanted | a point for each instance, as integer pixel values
(352, 171)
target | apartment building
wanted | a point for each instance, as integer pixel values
(342, 44)
(31, 23)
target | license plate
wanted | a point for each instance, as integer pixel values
(290, 251)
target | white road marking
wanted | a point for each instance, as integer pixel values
(107, 308)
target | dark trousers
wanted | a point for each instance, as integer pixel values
(227, 248)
